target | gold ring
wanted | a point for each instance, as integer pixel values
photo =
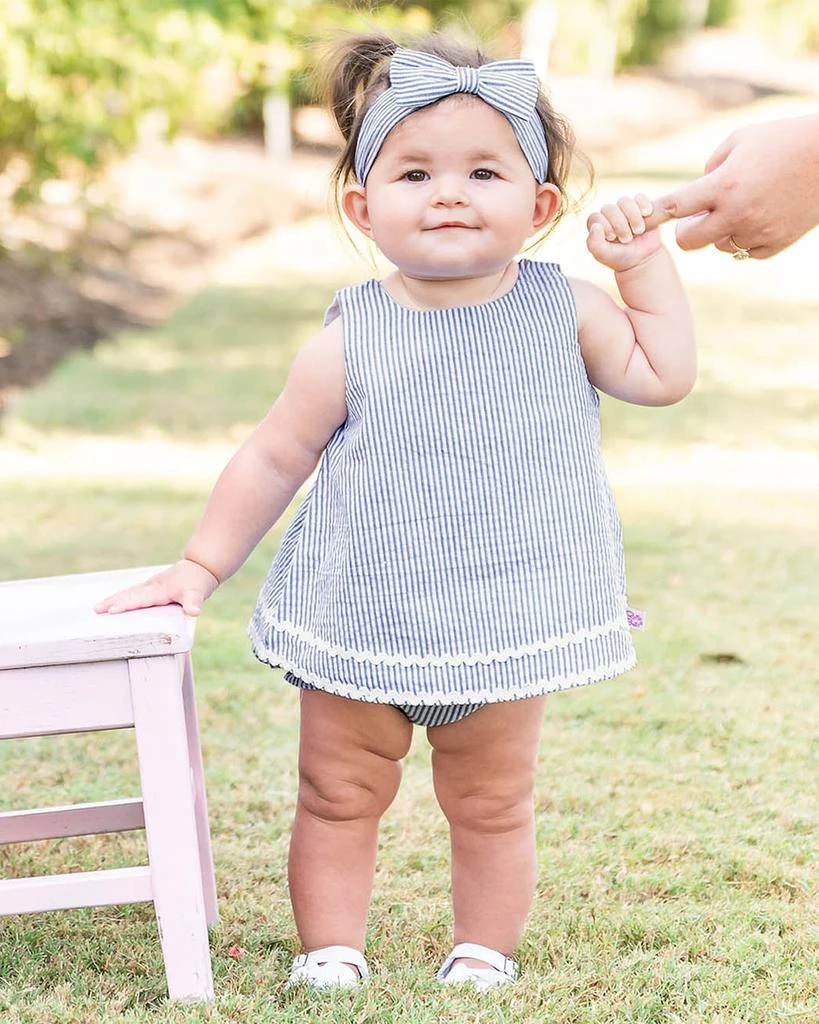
(739, 252)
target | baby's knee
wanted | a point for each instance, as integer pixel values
(330, 797)
(487, 809)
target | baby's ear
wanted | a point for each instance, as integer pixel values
(354, 205)
(547, 203)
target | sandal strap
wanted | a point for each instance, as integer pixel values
(333, 954)
(499, 961)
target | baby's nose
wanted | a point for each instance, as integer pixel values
(449, 189)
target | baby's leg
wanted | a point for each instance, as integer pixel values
(349, 771)
(484, 772)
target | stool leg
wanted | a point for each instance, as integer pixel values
(200, 801)
(170, 825)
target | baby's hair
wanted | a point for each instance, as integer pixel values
(357, 72)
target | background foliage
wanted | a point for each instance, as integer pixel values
(80, 79)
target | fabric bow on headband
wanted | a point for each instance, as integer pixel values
(418, 79)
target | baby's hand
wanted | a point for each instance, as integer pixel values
(186, 583)
(624, 234)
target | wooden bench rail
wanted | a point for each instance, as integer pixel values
(71, 820)
(56, 699)
(80, 889)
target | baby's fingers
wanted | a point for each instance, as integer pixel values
(144, 595)
(615, 223)
(636, 209)
(191, 601)
(623, 220)
(599, 228)
(626, 218)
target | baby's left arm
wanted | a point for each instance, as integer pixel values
(642, 352)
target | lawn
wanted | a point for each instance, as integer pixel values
(676, 807)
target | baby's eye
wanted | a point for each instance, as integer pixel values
(416, 176)
(483, 174)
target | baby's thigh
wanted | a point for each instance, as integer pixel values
(490, 756)
(349, 752)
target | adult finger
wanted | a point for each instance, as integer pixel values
(698, 196)
(725, 244)
(757, 252)
(633, 213)
(703, 229)
(658, 216)
(720, 154)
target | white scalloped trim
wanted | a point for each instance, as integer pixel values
(440, 660)
(485, 694)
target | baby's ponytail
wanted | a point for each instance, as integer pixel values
(356, 72)
(357, 69)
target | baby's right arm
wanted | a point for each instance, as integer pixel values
(258, 483)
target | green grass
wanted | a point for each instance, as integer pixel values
(676, 807)
(215, 365)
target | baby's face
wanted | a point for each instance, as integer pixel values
(451, 194)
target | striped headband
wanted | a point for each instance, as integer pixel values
(418, 79)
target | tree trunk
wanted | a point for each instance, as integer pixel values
(538, 28)
(277, 131)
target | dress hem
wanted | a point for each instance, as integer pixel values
(305, 636)
(488, 696)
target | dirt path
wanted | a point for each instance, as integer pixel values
(171, 214)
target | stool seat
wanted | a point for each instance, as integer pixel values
(63, 668)
(51, 621)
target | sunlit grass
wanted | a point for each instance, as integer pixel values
(216, 364)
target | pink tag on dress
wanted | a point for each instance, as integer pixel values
(636, 618)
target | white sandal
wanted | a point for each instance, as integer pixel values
(329, 967)
(501, 970)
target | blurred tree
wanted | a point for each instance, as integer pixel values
(80, 79)
(605, 35)
(78, 76)
(791, 24)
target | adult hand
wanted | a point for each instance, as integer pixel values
(760, 188)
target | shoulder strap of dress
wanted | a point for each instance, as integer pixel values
(349, 298)
(333, 311)
(546, 284)
(540, 269)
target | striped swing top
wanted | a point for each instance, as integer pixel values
(460, 542)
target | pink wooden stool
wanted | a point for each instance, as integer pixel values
(65, 669)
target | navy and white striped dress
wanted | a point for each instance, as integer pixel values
(460, 544)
